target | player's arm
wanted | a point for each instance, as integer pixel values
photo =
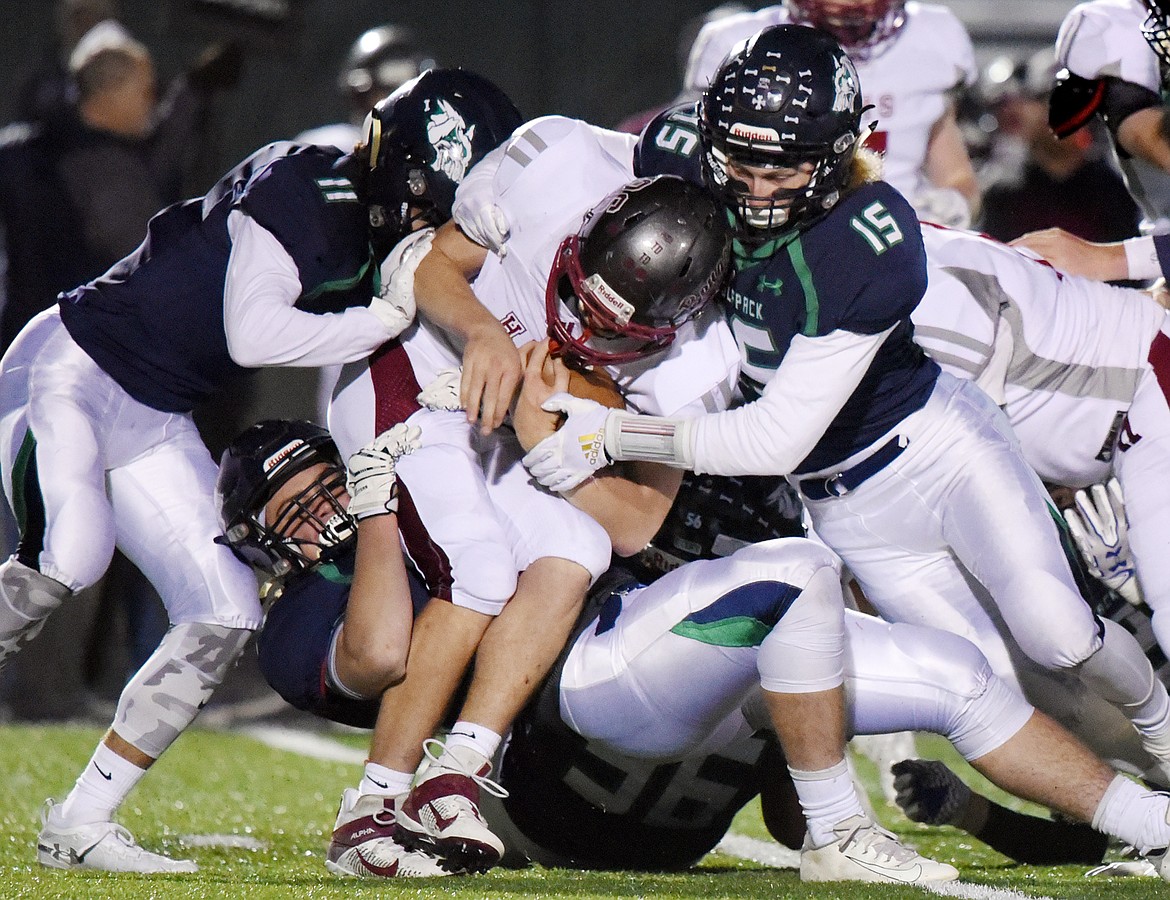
(630, 504)
(947, 165)
(262, 325)
(371, 648)
(1146, 135)
(1134, 259)
(372, 643)
(491, 364)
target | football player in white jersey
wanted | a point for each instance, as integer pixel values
(513, 560)
(1116, 53)
(277, 265)
(912, 57)
(1077, 365)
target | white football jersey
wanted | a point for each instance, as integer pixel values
(1062, 354)
(551, 173)
(906, 79)
(1103, 38)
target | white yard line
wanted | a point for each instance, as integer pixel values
(305, 743)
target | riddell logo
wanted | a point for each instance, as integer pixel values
(754, 132)
(281, 455)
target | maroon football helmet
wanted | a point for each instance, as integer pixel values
(859, 27)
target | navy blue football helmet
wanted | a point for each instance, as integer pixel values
(787, 97)
(253, 468)
(422, 140)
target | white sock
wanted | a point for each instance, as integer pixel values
(384, 782)
(827, 796)
(100, 789)
(1134, 814)
(482, 740)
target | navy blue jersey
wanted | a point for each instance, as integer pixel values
(293, 643)
(862, 269)
(591, 808)
(155, 320)
(669, 145)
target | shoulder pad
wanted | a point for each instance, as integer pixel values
(1073, 102)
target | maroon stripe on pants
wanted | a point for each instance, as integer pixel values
(1160, 362)
(395, 387)
(395, 393)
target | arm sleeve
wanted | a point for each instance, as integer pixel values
(772, 435)
(262, 325)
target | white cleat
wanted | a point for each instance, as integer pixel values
(364, 843)
(864, 851)
(104, 846)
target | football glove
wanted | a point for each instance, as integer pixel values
(576, 450)
(1099, 528)
(481, 220)
(927, 791)
(443, 391)
(394, 303)
(370, 479)
(943, 206)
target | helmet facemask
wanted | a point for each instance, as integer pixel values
(1156, 31)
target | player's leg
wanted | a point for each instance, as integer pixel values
(53, 418)
(901, 676)
(166, 525)
(1142, 466)
(667, 665)
(559, 551)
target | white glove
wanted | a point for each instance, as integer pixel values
(576, 450)
(443, 392)
(481, 220)
(943, 206)
(394, 303)
(1099, 528)
(370, 480)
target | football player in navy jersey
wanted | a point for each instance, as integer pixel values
(912, 476)
(277, 265)
(341, 600)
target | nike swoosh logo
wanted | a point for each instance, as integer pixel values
(378, 783)
(103, 774)
(891, 874)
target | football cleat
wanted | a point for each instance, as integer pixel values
(363, 842)
(864, 851)
(441, 814)
(104, 846)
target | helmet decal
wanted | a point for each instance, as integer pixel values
(845, 81)
(449, 135)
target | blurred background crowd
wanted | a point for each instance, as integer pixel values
(112, 109)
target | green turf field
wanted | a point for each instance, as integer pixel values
(224, 784)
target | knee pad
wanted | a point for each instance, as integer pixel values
(1062, 640)
(166, 694)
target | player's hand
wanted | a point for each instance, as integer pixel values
(481, 220)
(576, 450)
(394, 303)
(543, 377)
(927, 791)
(943, 206)
(370, 478)
(443, 391)
(1099, 528)
(491, 375)
(1069, 253)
